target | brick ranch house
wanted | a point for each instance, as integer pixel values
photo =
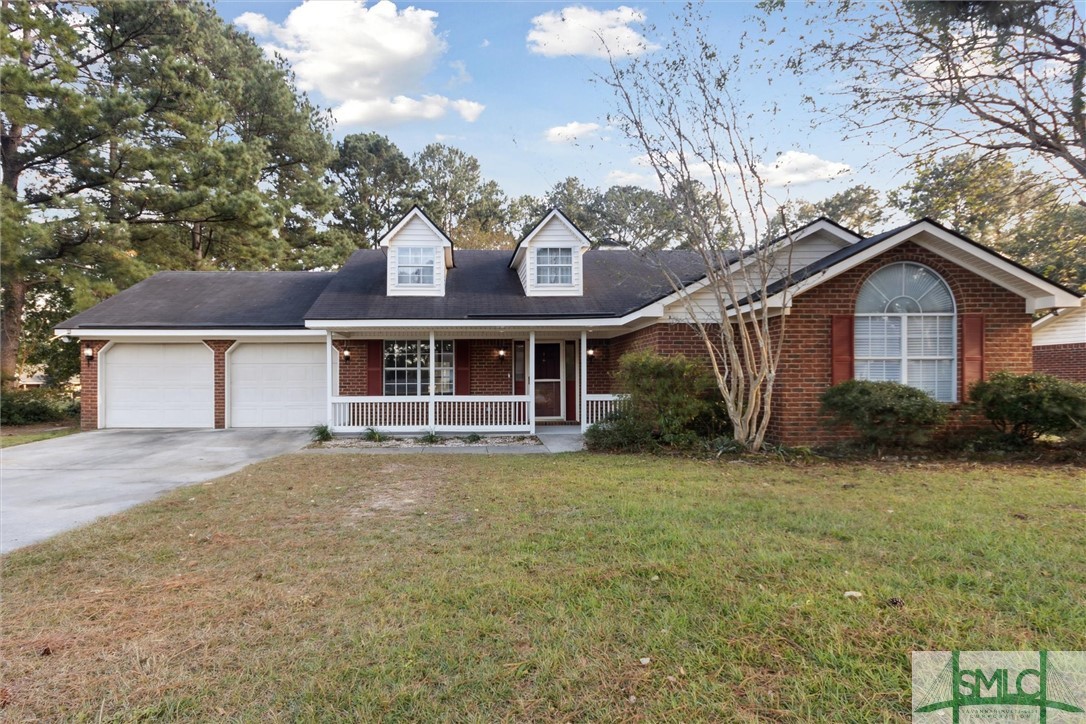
(417, 336)
(1059, 344)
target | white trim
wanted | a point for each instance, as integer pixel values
(200, 334)
(433, 385)
(226, 383)
(329, 351)
(100, 354)
(1046, 293)
(655, 309)
(583, 402)
(529, 382)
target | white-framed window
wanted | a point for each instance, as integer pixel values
(415, 265)
(906, 330)
(407, 367)
(553, 265)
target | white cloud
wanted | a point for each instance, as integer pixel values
(618, 177)
(579, 30)
(485, 43)
(791, 168)
(461, 76)
(372, 61)
(572, 131)
(795, 168)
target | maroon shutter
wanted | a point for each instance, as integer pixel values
(462, 354)
(841, 348)
(972, 351)
(375, 368)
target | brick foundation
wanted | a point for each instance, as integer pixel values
(1062, 360)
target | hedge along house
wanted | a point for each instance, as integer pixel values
(418, 336)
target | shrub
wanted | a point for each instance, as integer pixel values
(1028, 406)
(473, 437)
(884, 413)
(321, 433)
(374, 435)
(25, 407)
(671, 402)
(430, 438)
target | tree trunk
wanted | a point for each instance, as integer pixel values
(11, 329)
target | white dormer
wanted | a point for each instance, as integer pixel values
(549, 259)
(418, 255)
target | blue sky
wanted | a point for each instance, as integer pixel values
(511, 83)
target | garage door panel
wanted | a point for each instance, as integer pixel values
(278, 385)
(158, 385)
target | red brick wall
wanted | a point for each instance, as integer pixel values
(88, 384)
(490, 373)
(804, 371)
(218, 349)
(1063, 360)
(352, 372)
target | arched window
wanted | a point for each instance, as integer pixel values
(905, 330)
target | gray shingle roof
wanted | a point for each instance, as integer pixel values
(482, 286)
(195, 300)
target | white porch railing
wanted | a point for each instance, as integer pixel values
(457, 413)
(599, 406)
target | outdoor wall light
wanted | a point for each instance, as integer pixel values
(88, 352)
(591, 353)
(346, 355)
(501, 352)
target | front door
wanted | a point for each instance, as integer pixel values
(548, 380)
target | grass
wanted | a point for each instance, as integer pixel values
(464, 588)
(22, 434)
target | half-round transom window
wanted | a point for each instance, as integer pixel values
(905, 330)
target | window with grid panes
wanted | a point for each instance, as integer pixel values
(553, 266)
(407, 367)
(905, 330)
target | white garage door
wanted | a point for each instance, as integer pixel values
(159, 385)
(278, 385)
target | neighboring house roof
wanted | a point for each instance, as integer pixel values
(188, 300)
(483, 286)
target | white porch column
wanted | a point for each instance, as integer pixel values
(433, 402)
(529, 387)
(584, 381)
(329, 351)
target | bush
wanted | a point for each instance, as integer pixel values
(1027, 406)
(671, 402)
(321, 433)
(374, 435)
(884, 413)
(25, 407)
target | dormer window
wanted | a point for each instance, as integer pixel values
(416, 266)
(554, 265)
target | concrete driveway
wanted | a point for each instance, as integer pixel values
(55, 485)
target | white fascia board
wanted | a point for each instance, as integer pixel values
(186, 333)
(653, 310)
(822, 225)
(1045, 292)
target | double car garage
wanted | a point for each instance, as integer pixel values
(173, 385)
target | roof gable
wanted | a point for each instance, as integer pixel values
(554, 215)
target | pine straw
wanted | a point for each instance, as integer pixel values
(522, 588)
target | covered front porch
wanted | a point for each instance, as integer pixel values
(486, 381)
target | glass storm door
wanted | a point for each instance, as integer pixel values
(548, 380)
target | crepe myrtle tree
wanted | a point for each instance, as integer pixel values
(679, 109)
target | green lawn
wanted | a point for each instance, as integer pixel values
(471, 588)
